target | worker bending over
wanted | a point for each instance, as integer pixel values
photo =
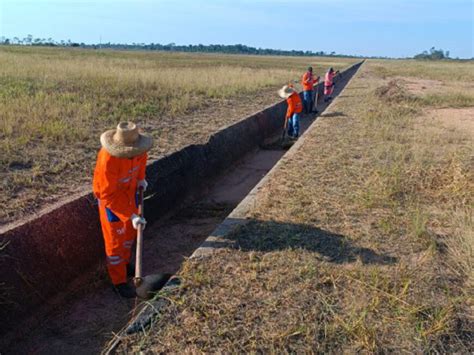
(119, 173)
(295, 107)
(308, 82)
(329, 84)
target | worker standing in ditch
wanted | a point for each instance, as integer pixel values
(308, 82)
(118, 174)
(295, 107)
(329, 84)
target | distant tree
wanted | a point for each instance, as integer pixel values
(433, 54)
(28, 39)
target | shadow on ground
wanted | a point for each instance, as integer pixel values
(268, 236)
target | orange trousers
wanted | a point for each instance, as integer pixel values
(119, 238)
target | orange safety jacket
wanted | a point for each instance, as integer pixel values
(308, 81)
(294, 105)
(115, 182)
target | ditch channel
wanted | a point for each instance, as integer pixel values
(84, 315)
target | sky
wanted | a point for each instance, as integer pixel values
(394, 28)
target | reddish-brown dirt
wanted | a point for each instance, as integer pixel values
(455, 118)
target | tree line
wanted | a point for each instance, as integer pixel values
(432, 54)
(171, 47)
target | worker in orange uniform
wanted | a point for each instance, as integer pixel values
(308, 82)
(119, 173)
(295, 107)
(329, 84)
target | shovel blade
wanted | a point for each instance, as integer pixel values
(151, 284)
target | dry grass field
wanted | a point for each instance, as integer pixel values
(361, 242)
(54, 103)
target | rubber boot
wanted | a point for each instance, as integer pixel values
(125, 290)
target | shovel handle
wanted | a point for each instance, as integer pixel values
(315, 103)
(138, 262)
(141, 210)
(285, 127)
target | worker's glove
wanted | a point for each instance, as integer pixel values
(136, 220)
(143, 184)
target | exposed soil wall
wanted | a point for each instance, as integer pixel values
(43, 255)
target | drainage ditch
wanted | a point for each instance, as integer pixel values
(81, 318)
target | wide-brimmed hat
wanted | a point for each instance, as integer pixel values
(286, 91)
(125, 141)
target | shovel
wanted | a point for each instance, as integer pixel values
(146, 286)
(284, 143)
(315, 105)
(285, 127)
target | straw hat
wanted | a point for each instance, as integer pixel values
(125, 141)
(286, 91)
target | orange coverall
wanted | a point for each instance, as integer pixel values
(115, 186)
(294, 105)
(308, 81)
